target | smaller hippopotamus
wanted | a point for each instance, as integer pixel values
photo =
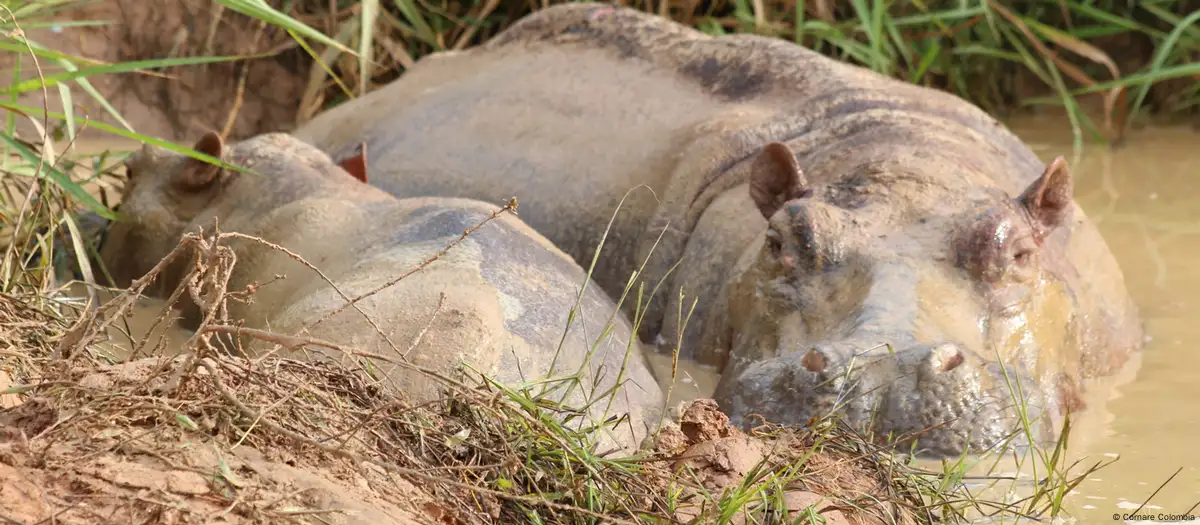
(498, 301)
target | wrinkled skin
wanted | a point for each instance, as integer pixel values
(504, 292)
(815, 209)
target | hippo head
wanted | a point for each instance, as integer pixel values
(167, 194)
(940, 322)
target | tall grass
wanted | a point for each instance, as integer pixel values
(1108, 54)
(39, 192)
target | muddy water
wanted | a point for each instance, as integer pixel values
(1145, 198)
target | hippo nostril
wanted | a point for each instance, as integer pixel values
(945, 357)
(814, 361)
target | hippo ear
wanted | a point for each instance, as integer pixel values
(198, 173)
(1049, 198)
(356, 165)
(776, 178)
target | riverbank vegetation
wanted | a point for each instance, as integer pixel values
(1127, 59)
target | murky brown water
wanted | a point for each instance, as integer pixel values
(1145, 198)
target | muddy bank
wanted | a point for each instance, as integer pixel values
(201, 436)
(240, 98)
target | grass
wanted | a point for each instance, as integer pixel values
(999, 55)
(517, 460)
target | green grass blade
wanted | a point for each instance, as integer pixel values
(927, 60)
(259, 9)
(122, 67)
(1173, 19)
(183, 150)
(421, 27)
(1167, 73)
(370, 13)
(1160, 58)
(59, 178)
(64, 93)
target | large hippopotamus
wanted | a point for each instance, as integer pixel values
(498, 301)
(852, 240)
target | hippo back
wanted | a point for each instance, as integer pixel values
(497, 302)
(596, 100)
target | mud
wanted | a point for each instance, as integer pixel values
(242, 97)
(716, 457)
(85, 471)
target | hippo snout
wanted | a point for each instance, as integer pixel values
(945, 396)
(958, 401)
(93, 226)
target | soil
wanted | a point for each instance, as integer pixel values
(99, 464)
(178, 103)
(718, 457)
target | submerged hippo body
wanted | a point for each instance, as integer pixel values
(498, 301)
(816, 210)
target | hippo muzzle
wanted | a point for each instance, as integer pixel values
(66, 265)
(945, 397)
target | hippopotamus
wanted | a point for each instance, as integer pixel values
(497, 302)
(819, 226)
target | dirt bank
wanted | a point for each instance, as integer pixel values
(240, 98)
(200, 438)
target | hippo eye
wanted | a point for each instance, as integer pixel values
(1024, 253)
(129, 171)
(1022, 268)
